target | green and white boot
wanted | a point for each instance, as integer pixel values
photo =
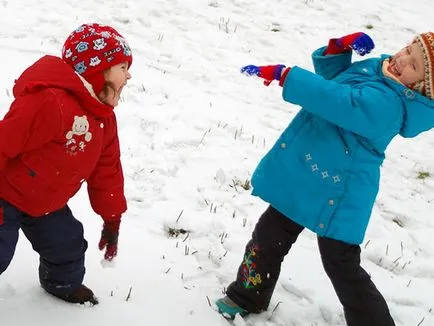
(229, 309)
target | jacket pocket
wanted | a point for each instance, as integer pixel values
(296, 128)
(55, 176)
(27, 179)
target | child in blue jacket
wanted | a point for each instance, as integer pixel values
(323, 172)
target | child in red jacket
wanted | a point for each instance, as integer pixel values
(61, 131)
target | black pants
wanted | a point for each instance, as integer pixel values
(271, 240)
(57, 237)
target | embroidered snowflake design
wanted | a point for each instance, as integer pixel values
(324, 174)
(249, 276)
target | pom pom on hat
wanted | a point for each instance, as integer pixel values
(426, 43)
(93, 48)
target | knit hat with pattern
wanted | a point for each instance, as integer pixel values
(426, 43)
(93, 48)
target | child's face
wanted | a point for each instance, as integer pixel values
(408, 65)
(118, 76)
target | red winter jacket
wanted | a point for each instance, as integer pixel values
(55, 136)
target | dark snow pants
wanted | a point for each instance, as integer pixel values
(272, 239)
(57, 237)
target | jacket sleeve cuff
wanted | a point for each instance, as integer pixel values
(112, 224)
(283, 77)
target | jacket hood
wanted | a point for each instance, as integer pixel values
(53, 72)
(418, 109)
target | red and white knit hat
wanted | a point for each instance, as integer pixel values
(426, 43)
(93, 48)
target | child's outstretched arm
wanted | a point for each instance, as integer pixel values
(366, 110)
(329, 61)
(360, 42)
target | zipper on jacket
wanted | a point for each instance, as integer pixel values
(346, 147)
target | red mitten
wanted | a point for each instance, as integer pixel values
(109, 239)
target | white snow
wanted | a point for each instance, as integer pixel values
(192, 130)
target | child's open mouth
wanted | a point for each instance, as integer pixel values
(393, 69)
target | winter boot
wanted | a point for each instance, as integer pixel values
(82, 295)
(229, 309)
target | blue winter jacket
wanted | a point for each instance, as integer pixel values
(324, 170)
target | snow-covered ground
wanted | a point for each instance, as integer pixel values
(192, 130)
